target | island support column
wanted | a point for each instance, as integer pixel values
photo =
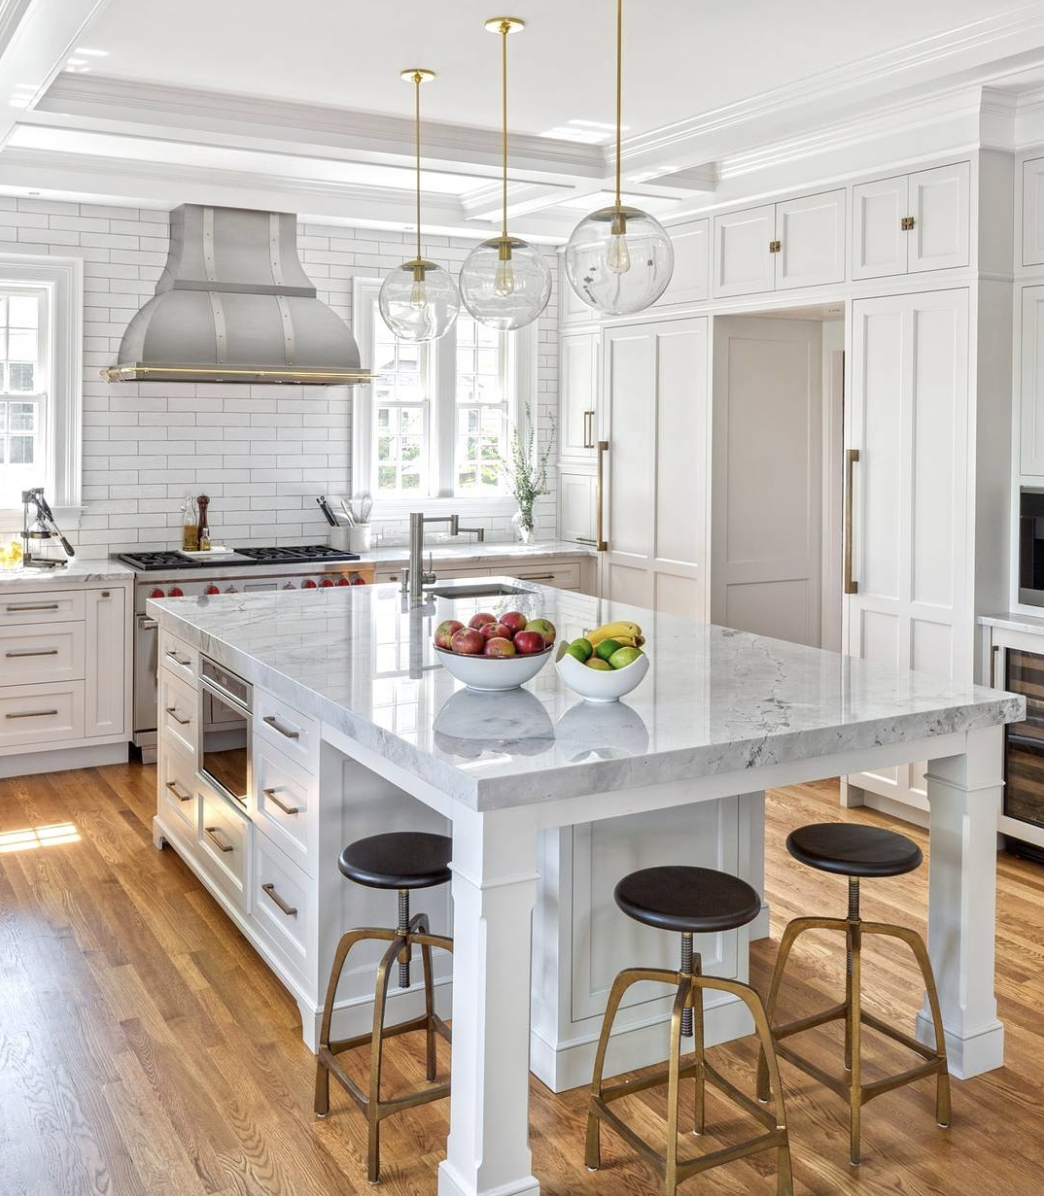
(494, 891)
(964, 793)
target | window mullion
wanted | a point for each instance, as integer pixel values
(444, 411)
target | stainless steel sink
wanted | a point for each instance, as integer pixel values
(478, 590)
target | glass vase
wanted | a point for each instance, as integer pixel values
(525, 526)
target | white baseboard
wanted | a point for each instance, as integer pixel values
(895, 809)
(29, 764)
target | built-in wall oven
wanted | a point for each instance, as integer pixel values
(225, 705)
(1031, 546)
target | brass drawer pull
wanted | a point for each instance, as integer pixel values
(536, 577)
(177, 659)
(271, 795)
(31, 714)
(173, 712)
(31, 652)
(32, 606)
(213, 832)
(273, 722)
(289, 910)
(173, 787)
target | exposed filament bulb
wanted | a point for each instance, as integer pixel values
(619, 257)
(418, 296)
(504, 280)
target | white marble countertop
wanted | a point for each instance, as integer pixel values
(76, 573)
(1013, 622)
(715, 700)
(461, 550)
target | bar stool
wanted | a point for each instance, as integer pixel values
(855, 851)
(690, 901)
(404, 861)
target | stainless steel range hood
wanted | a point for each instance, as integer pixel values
(234, 305)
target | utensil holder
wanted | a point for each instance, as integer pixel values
(341, 539)
(361, 537)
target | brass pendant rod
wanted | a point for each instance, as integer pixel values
(418, 78)
(619, 90)
(505, 29)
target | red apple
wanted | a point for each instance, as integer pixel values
(514, 619)
(545, 627)
(468, 642)
(528, 642)
(445, 631)
(481, 618)
(498, 630)
(499, 645)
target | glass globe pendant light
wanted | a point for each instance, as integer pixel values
(504, 282)
(419, 301)
(619, 259)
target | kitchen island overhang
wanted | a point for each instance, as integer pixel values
(721, 714)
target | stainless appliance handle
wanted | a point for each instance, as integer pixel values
(273, 722)
(213, 832)
(851, 457)
(146, 624)
(271, 795)
(270, 891)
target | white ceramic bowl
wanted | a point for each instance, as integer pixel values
(492, 674)
(599, 685)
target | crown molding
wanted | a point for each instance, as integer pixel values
(11, 14)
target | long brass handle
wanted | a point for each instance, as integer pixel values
(177, 659)
(173, 787)
(31, 714)
(273, 722)
(31, 652)
(213, 832)
(589, 429)
(289, 910)
(601, 545)
(271, 795)
(851, 457)
(33, 606)
(173, 712)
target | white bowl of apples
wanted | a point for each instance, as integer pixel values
(493, 652)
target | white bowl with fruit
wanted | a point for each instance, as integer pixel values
(605, 664)
(494, 653)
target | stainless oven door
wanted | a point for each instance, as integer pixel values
(225, 729)
(146, 664)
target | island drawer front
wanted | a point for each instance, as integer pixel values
(286, 806)
(224, 836)
(564, 577)
(33, 655)
(283, 906)
(178, 796)
(47, 714)
(285, 729)
(66, 606)
(179, 657)
(178, 711)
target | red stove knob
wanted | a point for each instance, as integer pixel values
(358, 581)
(212, 589)
(343, 581)
(325, 583)
(176, 592)
(157, 593)
(308, 584)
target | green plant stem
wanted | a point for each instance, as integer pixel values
(528, 468)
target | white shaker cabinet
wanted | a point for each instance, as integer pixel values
(690, 282)
(1033, 212)
(1032, 388)
(878, 238)
(571, 308)
(578, 390)
(743, 256)
(577, 495)
(108, 654)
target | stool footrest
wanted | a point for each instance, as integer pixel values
(833, 1014)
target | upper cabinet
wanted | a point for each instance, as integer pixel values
(578, 389)
(571, 308)
(911, 223)
(1033, 212)
(690, 280)
(796, 243)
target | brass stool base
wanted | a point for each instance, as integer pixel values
(370, 1103)
(689, 996)
(851, 1088)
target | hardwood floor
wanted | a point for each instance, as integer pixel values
(146, 1051)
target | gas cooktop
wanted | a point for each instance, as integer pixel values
(291, 554)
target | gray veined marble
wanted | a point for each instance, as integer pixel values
(715, 701)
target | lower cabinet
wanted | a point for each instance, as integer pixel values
(577, 509)
(282, 904)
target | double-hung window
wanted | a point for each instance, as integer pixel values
(24, 357)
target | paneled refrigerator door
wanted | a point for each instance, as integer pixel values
(910, 599)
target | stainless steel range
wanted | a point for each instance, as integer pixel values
(171, 575)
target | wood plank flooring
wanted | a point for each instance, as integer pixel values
(146, 1051)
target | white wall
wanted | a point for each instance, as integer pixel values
(262, 453)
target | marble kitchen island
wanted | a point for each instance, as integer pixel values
(532, 784)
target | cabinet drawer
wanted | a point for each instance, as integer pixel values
(178, 712)
(565, 577)
(64, 607)
(32, 655)
(284, 728)
(224, 836)
(285, 805)
(282, 905)
(176, 655)
(178, 795)
(41, 713)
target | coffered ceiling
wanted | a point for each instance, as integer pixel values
(299, 106)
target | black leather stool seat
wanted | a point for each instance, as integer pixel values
(398, 860)
(690, 900)
(850, 849)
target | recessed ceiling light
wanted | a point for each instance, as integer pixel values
(86, 50)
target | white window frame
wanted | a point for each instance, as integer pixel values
(62, 279)
(441, 383)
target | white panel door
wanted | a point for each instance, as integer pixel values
(909, 421)
(939, 239)
(766, 539)
(571, 308)
(576, 506)
(879, 244)
(578, 386)
(743, 261)
(105, 689)
(1033, 212)
(690, 282)
(811, 233)
(1032, 390)
(654, 419)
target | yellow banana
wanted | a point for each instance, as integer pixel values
(614, 631)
